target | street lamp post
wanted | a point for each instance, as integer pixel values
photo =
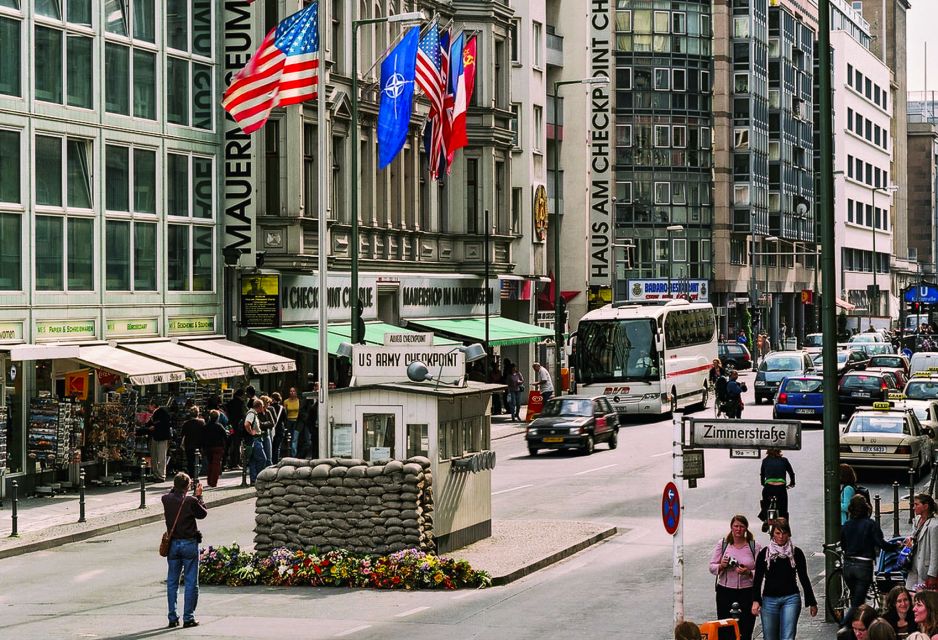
(559, 303)
(406, 18)
(875, 292)
(674, 228)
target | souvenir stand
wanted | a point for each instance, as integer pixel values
(55, 433)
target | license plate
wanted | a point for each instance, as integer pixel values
(873, 449)
(808, 412)
(860, 394)
(554, 439)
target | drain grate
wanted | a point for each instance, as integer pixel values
(96, 541)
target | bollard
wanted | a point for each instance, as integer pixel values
(735, 611)
(911, 495)
(81, 496)
(876, 506)
(143, 486)
(934, 477)
(198, 466)
(15, 501)
(895, 508)
(244, 470)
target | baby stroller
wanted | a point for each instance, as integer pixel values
(886, 574)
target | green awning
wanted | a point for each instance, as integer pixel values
(502, 331)
(308, 337)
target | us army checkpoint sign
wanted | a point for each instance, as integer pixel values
(745, 434)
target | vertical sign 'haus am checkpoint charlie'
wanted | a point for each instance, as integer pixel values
(601, 214)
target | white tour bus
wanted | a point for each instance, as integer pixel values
(649, 359)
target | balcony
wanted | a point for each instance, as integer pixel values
(554, 48)
(554, 120)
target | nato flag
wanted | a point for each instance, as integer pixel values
(397, 97)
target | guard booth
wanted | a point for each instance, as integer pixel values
(438, 415)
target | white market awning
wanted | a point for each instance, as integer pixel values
(260, 361)
(43, 351)
(204, 366)
(136, 368)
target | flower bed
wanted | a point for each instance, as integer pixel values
(408, 569)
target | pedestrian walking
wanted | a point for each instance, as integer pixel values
(860, 540)
(292, 406)
(257, 459)
(776, 599)
(159, 426)
(279, 415)
(773, 476)
(848, 489)
(542, 381)
(213, 440)
(899, 611)
(925, 611)
(267, 427)
(924, 543)
(515, 389)
(180, 511)
(193, 430)
(733, 563)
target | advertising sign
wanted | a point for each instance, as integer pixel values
(299, 298)
(59, 329)
(132, 327)
(648, 290)
(600, 105)
(191, 324)
(428, 297)
(260, 301)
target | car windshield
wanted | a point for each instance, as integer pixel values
(800, 385)
(864, 337)
(877, 424)
(568, 407)
(879, 347)
(894, 362)
(921, 390)
(781, 364)
(614, 350)
(862, 382)
(813, 340)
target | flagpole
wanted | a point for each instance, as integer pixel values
(322, 202)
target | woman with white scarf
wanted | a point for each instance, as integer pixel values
(779, 568)
(924, 543)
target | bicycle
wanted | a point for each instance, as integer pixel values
(837, 593)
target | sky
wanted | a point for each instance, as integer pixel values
(922, 20)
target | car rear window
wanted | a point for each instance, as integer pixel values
(812, 341)
(567, 407)
(876, 424)
(886, 361)
(781, 364)
(921, 390)
(795, 385)
(862, 382)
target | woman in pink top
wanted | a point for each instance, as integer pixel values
(733, 562)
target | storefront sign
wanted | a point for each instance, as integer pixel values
(11, 331)
(299, 296)
(199, 324)
(408, 339)
(260, 301)
(600, 174)
(132, 327)
(59, 329)
(645, 290)
(373, 365)
(428, 297)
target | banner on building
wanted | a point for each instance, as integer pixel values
(601, 216)
(652, 290)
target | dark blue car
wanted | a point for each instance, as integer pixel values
(800, 397)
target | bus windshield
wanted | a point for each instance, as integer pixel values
(617, 350)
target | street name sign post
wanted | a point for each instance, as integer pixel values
(745, 434)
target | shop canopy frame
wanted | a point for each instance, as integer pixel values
(138, 369)
(202, 365)
(261, 362)
(308, 337)
(502, 331)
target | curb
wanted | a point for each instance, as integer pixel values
(520, 432)
(93, 532)
(517, 574)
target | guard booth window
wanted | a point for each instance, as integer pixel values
(378, 432)
(418, 440)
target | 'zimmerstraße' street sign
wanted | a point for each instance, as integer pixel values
(745, 434)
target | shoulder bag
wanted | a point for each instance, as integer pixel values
(168, 535)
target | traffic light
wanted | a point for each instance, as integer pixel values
(360, 323)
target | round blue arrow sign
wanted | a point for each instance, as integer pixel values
(670, 508)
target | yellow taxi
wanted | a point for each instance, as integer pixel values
(886, 436)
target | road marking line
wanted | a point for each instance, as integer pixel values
(411, 612)
(524, 486)
(666, 453)
(580, 473)
(353, 630)
(466, 594)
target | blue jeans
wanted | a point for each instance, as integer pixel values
(858, 575)
(183, 558)
(514, 403)
(300, 442)
(268, 446)
(780, 616)
(258, 460)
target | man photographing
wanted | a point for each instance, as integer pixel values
(181, 512)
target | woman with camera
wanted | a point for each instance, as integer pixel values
(733, 563)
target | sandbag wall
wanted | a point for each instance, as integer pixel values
(366, 507)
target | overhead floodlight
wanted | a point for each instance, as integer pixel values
(408, 17)
(473, 352)
(344, 350)
(418, 372)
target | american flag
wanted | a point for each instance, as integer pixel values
(284, 70)
(434, 62)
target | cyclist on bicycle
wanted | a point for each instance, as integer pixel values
(717, 378)
(860, 539)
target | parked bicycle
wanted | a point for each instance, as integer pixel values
(837, 593)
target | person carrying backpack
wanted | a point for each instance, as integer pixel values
(848, 489)
(733, 563)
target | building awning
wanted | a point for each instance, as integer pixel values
(308, 337)
(502, 331)
(43, 351)
(846, 306)
(204, 366)
(136, 368)
(260, 361)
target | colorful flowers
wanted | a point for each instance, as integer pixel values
(408, 569)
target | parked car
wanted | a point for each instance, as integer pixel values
(861, 388)
(734, 355)
(847, 360)
(800, 397)
(574, 422)
(890, 361)
(886, 436)
(813, 343)
(777, 366)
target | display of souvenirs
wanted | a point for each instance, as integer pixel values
(43, 433)
(3, 438)
(108, 436)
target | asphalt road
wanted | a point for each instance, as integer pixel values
(622, 588)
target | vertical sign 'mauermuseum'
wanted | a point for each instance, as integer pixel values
(600, 272)
(240, 166)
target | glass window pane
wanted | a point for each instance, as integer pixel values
(11, 251)
(202, 258)
(115, 19)
(78, 60)
(144, 257)
(144, 181)
(144, 84)
(117, 252)
(202, 102)
(10, 166)
(177, 24)
(177, 91)
(79, 174)
(48, 171)
(49, 8)
(202, 187)
(79, 11)
(177, 187)
(48, 69)
(177, 257)
(117, 63)
(10, 57)
(202, 27)
(80, 254)
(12, 4)
(144, 21)
(49, 253)
(116, 178)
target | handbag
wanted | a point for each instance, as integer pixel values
(168, 535)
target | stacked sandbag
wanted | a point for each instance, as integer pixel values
(343, 503)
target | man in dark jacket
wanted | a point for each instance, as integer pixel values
(235, 409)
(160, 430)
(309, 418)
(181, 512)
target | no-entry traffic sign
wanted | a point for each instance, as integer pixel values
(670, 508)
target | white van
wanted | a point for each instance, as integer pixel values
(922, 361)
